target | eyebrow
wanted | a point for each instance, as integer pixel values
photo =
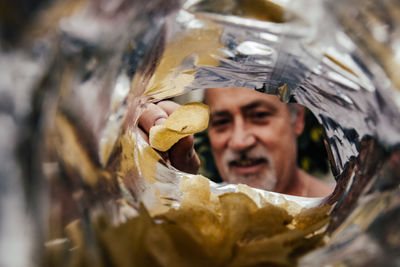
(222, 113)
(257, 104)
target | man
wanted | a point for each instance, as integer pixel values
(253, 137)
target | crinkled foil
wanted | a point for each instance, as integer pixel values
(75, 76)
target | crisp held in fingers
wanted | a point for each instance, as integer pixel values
(188, 119)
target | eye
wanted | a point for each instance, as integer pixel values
(259, 116)
(219, 122)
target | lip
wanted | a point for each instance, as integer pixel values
(250, 169)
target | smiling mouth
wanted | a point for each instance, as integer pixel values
(244, 163)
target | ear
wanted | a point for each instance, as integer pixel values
(299, 123)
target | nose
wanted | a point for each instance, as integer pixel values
(242, 137)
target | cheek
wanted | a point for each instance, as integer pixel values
(217, 149)
(279, 140)
(217, 141)
(268, 137)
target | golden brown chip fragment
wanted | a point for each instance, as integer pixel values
(280, 249)
(162, 138)
(191, 249)
(268, 221)
(185, 120)
(265, 252)
(237, 210)
(311, 216)
(201, 223)
(189, 118)
(124, 245)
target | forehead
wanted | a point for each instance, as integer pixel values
(237, 98)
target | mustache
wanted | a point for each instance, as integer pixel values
(254, 154)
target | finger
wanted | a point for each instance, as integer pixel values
(168, 106)
(183, 156)
(152, 115)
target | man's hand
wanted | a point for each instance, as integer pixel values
(181, 155)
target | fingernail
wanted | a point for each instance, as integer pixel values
(160, 121)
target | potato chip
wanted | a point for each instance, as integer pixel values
(192, 251)
(189, 118)
(311, 216)
(268, 221)
(237, 210)
(238, 233)
(162, 138)
(207, 229)
(185, 120)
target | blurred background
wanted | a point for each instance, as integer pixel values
(74, 76)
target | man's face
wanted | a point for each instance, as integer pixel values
(253, 137)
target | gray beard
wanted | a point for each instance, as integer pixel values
(265, 179)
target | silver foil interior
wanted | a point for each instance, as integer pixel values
(96, 63)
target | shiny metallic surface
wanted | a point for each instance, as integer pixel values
(76, 76)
